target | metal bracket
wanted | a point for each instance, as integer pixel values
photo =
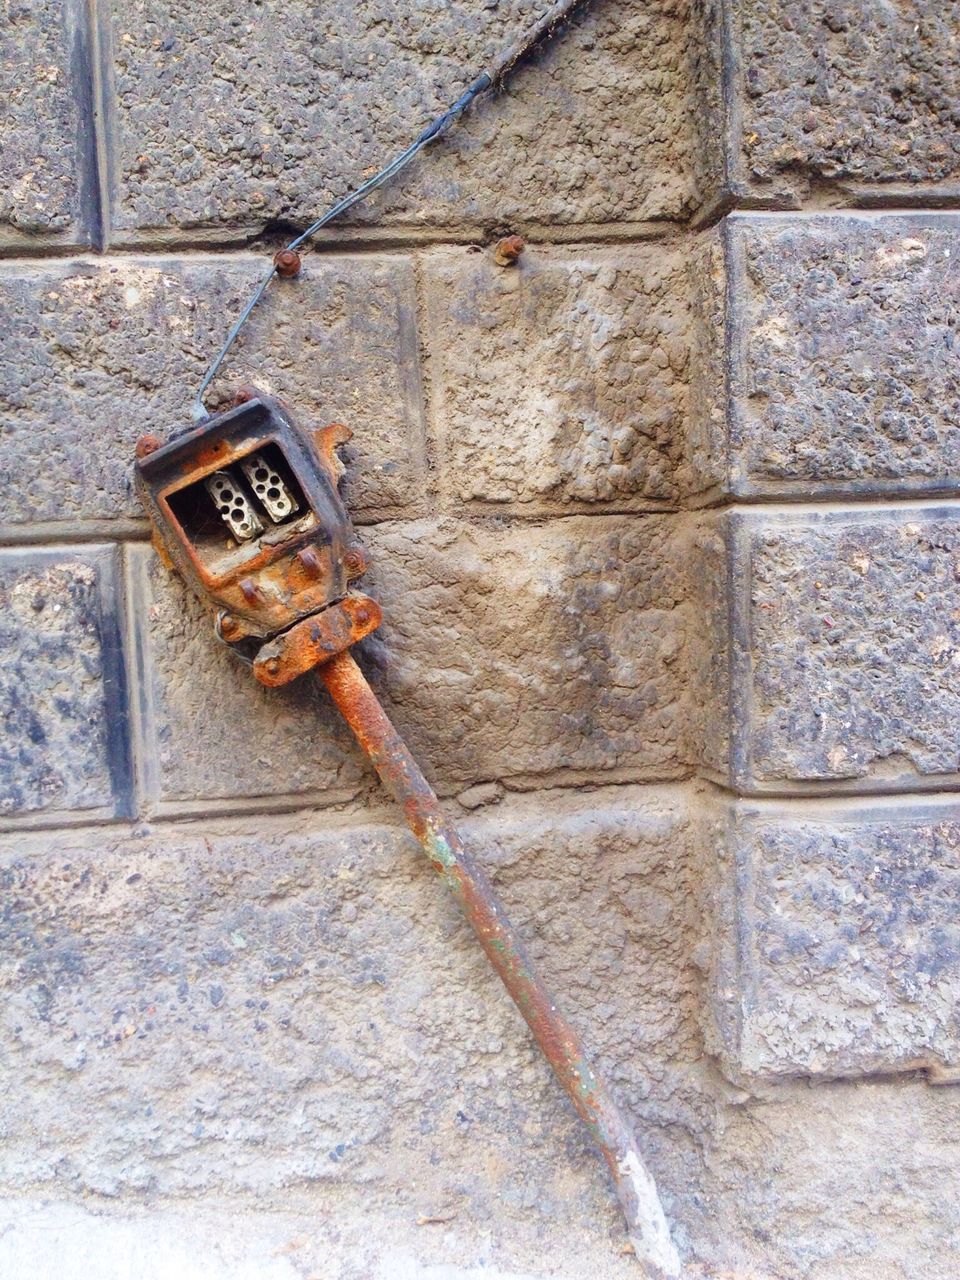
(316, 639)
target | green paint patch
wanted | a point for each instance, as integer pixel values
(439, 851)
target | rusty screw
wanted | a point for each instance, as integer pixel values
(229, 626)
(272, 666)
(311, 562)
(355, 562)
(147, 445)
(508, 250)
(287, 263)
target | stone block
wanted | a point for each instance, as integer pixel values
(64, 748)
(211, 732)
(841, 1181)
(47, 181)
(841, 92)
(710, 56)
(845, 648)
(777, 1176)
(99, 353)
(229, 120)
(843, 373)
(562, 382)
(560, 653)
(708, 408)
(296, 1012)
(567, 656)
(710, 732)
(207, 1241)
(842, 940)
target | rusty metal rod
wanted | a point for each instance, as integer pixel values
(401, 775)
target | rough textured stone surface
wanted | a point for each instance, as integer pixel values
(846, 648)
(98, 354)
(211, 732)
(238, 1042)
(776, 1178)
(845, 946)
(501, 657)
(561, 381)
(44, 1238)
(300, 103)
(710, 53)
(841, 90)
(295, 1014)
(844, 361)
(43, 86)
(564, 655)
(710, 723)
(840, 1182)
(708, 401)
(64, 741)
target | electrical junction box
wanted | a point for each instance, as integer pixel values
(245, 506)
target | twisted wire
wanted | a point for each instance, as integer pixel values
(491, 78)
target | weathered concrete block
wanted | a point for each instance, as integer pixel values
(846, 644)
(64, 746)
(299, 105)
(501, 657)
(98, 354)
(294, 1011)
(842, 940)
(562, 382)
(843, 373)
(842, 91)
(47, 185)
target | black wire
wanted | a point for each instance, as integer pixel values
(497, 72)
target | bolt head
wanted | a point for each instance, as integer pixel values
(287, 263)
(508, 250)
(147, 445)
(309, 559)
(229, 626)
(355, 562)
(272, 666)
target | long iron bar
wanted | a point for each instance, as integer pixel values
(401, 775)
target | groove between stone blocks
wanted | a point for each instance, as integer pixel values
(54, 534)
(699, 795)
(90, 58)
(220, 243)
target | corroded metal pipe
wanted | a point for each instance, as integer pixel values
(287, 591)
(401, 775)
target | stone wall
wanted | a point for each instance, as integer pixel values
(664, 523)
